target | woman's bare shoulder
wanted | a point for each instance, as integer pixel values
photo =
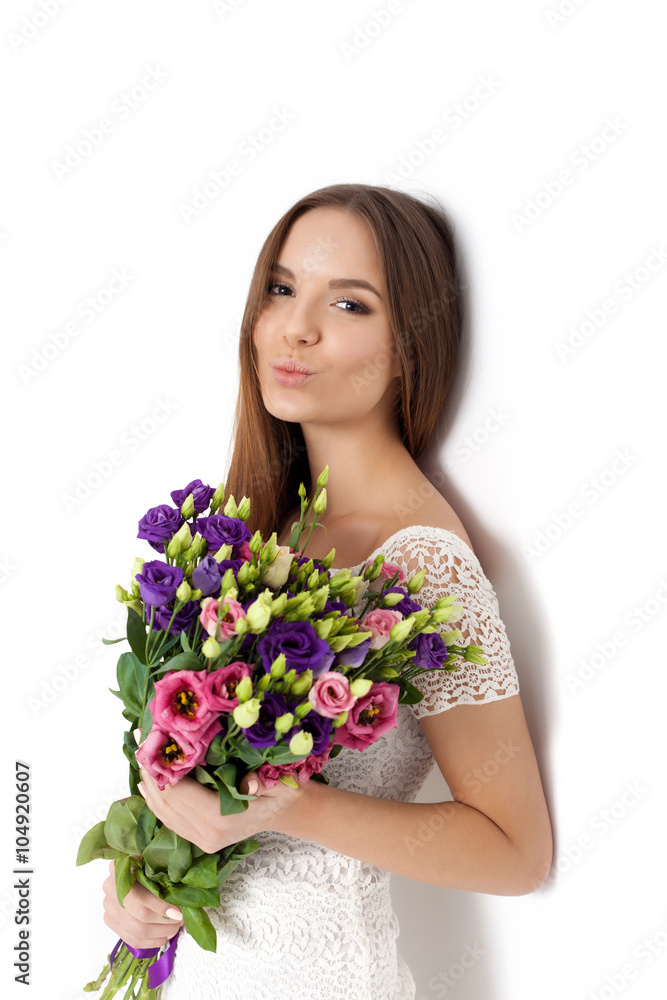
(434, 512)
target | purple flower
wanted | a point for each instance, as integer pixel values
(263, 732)
(222, 530)
(300, 643)
(353, 656)
(159, 525)
(182, 621)
(407, 605)
(431, 651)
(159, 582)
(207, 576)
(201, 495)
(317, 725)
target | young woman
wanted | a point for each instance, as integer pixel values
(356, 289)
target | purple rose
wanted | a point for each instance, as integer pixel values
(407, 606)
(317, 725)
(207, 576)
(159, 582)
(301, 645)
(182, 620)
(222, 530)
(430, 650)
(263, 732)
(201, 495)
(353, 656)
(159, 525)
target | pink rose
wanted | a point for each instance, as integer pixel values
(330, 694)
(380, 622)
(209, 617)
(299, 769)
(222, 684)
(168, 758)
(182, 704)
(243, 552)
(387, 570)
(372, 716)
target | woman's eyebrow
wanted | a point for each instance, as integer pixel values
(335, 282)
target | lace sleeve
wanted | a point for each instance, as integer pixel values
(452, 568)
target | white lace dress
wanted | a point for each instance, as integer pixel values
(301, 922)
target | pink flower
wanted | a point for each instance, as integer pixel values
(330, 694)
(209, 617)
(182, 705)
(387, 570)
(299, 769)
(380, 622)
(372, 716)
(243, 552)
(168, 758)
(222, 684)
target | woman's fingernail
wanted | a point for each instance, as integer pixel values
(252, 787)
(174, 914)
(140, 786)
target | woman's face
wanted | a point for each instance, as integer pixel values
(326, 310)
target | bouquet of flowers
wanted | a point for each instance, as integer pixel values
(245, 655)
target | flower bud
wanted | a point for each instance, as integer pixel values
(284, 722)
(224, 552)
(244, 689)
(302, 491)
(231, 510)
(360, 687)
(303, 683)
(278, 666)
(401, 630)
(255, 543)
(301, 743)
(323, 476)
(263, 682)
(196, 594)
(388, 672)
(287, 779)
(244, 508)
(290, 675)
(241, 626)
(473, 655)
(258, 615)
(320, 503)
(137, 566)
(181, 541)
(246, 714)
(184, 592)
(136, 606)
(416, 582)
(449, 614)
(211, 648)
(302, 710)
(313, 579)
(188, 506)
(122, 595)
(327, 562)
(340, 720)
(217, 498)
(389, 600)
(449, 638)
(278, 605)
(243, 574)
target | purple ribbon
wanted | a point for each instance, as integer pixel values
(158, 971)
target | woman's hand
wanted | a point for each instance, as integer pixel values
(143, 921)
(193, 811)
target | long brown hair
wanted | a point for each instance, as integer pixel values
(414, 243)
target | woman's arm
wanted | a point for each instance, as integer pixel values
(494, 836)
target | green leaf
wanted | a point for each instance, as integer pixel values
(191, 895)
(182, 661)
(120, 826)
(91, 842)
(169, 852)
(198, 924)
(125, 879)
(185, 642)
(230, 804)
(149, 883)
(146, 823)
(217, 753)
(131, 676)
(410, 694)
(203, 873)
(204, 778)
(111, 642)
(136, 634)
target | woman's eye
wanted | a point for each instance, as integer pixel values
(357, 307)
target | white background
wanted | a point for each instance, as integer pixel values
(583, 615)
